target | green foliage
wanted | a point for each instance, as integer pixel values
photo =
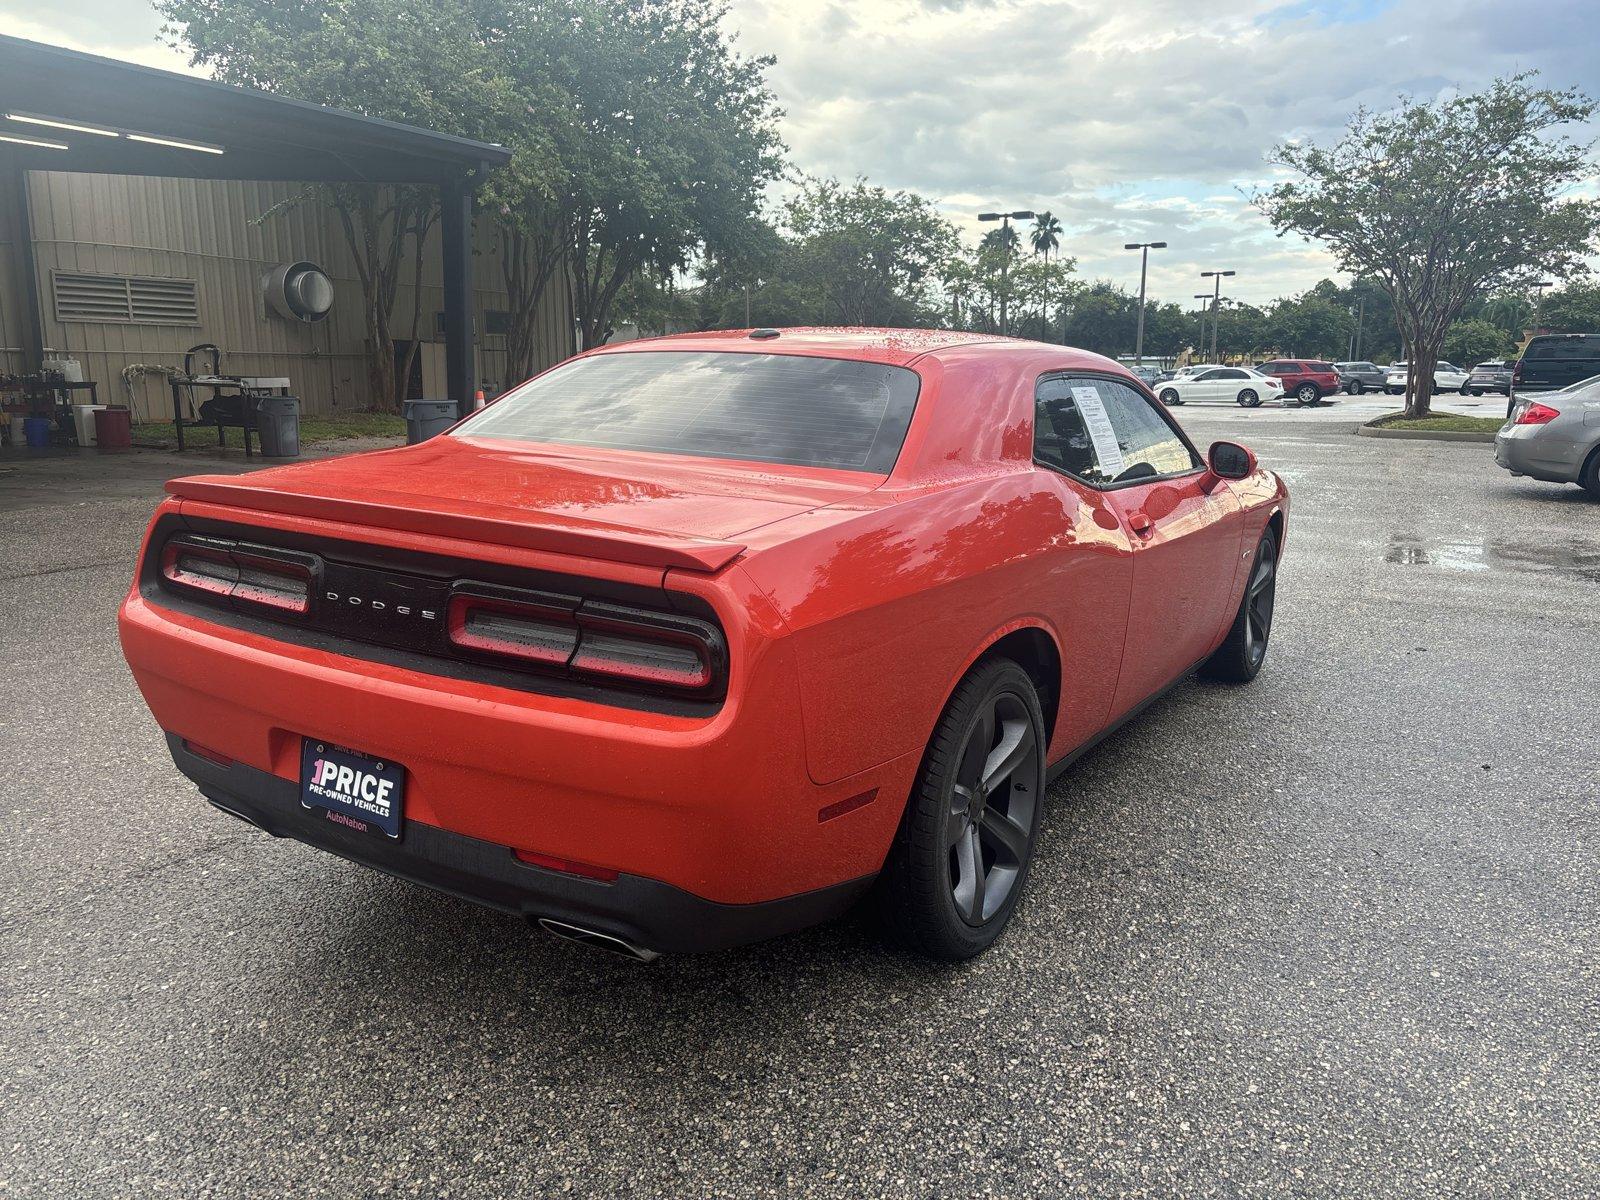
(1439, 202)
(1470, 342)
(1574, 309)
(1508, 312)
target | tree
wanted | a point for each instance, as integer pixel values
(1438, 202)
(404, 60)
(1046, 239)
(1468, 343)
(671, 137)
(865, 256)
(1509, 313)
(1574, 309)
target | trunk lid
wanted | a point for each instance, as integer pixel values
(653, 510)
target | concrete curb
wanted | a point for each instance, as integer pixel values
(1424, 435)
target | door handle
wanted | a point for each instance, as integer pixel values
(1140, 523)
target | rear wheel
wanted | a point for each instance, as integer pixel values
(1589, 477)
(1239, 658)
(1466, 391)
(961, 855)
(1308, 393)
(1357, 387)
(1170, 397)
(1249, 398)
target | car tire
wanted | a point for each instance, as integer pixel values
(1249, 398)
(935, 895)
(1393, 391)
(1307, 394)
(1239, 658)
(1170, 398)
(1465, 391)
(1589, 477)
(1357, 387)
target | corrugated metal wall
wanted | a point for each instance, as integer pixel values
(219, 235)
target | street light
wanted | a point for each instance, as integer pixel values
(1005, 220)
(1144, 249)
(1201, 344)
(1216, 303)
(1538, 299)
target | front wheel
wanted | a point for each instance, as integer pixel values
(1249, 399)
(1240, 656)
(961, 855)
(1170, 397)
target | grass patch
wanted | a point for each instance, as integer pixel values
(1440, 423)
(315, 429)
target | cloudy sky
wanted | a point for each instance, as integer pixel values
(1132, 120)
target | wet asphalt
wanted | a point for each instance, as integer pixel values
(1332, 934)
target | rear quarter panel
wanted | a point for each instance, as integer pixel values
(890, 602)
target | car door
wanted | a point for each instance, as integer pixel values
(1207, 385)
(1185, 536)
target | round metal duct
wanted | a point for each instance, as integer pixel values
(299, 291)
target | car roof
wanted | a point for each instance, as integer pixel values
(896, 347)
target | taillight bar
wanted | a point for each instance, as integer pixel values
(1534, 413)
(258, 576)
(589, 638)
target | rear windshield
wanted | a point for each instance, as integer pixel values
(1582, 346)
(814, 412)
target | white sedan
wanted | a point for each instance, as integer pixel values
(1239, 384)
(1446, 378)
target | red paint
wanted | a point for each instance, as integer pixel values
(851, 605)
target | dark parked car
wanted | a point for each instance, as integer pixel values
(1491, 376)
(1307, 380)
(1358, 377)
(1553, 361)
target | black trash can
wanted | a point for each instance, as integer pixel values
(278, 424)
(428, 418)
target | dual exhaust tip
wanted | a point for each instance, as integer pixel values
(596, 940)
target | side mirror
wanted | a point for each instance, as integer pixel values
(1229, 460)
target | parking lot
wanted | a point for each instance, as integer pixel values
(1332, 934)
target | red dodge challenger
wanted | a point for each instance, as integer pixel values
(693, 641)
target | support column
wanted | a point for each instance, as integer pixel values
(455, 228)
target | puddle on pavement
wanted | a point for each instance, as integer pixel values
(1572, 560)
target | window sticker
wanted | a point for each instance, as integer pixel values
(1100, 430)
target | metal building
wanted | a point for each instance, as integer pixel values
(141, 211)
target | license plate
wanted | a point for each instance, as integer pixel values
(352, 789)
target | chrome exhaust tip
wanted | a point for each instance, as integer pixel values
(597, 941)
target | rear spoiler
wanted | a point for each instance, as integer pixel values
(484, 522)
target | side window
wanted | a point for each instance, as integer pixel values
(1271, 368)
(1230, 373)
(1103, 431)
(1060, 438)
(1208, 375)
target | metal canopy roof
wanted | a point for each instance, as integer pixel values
(261, 136)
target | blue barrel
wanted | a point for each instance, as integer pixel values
(37, 430)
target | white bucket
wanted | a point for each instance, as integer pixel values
(83, 418)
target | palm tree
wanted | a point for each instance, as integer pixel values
(1046, 236)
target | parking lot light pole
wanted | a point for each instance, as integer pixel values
(1216, 304)
(1144, 249)
(1205, 299)
(1538, 299)
(1005, 220)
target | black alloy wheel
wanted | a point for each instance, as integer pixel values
(1170, 397)
(989, 822)
(960, 857)
(1249, 399)
(1239, 658)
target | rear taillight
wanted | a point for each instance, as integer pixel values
(1536, 414)
(256, 576)
(589, 639)
(1516, 372)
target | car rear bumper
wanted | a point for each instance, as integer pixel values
(643, 913)
(1524, 455)
(720, 808)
